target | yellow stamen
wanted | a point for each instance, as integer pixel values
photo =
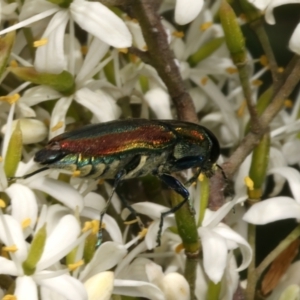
(133, 58)
(205, 26)
(242, 108)
(131, 222)
(127, 18)
(145, 48)
(264, 60)
(13, 64)
(91, 225)
(280, 70)
(179, 248)
(84, 49)
(257, 82)
(178, 34)
(11, 99)
(101, 181)
(59, 125)
(123, 50)
(41, 42)
(26, 223)
(9, 297)
(95, 226)
(249, 183)
(1, 159)
(2, 203)
(201, 177)
(288, 103)
(73, 267)
(143, 233)
(76, 173)
(12, 248)
(231, 70)
(203, 80)
(243, 17)
(87, 226)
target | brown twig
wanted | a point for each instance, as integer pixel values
(162, 58)
(251, 139)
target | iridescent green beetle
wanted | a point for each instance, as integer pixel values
(132, 148)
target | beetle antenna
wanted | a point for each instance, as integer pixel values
(28, 175)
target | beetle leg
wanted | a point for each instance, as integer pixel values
(118, 178)
(193, 178)
(133, 211)
(187, 163)
(178, 187)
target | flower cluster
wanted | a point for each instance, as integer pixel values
(67, 63)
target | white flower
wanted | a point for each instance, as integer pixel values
(93, 17)
(217, 239)
(60, 240)
(187, 11)
(88, 92)
(278, 208)
(100, 285)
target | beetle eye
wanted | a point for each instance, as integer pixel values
(49, 156)
(54, 147)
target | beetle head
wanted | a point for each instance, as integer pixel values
(50, 154)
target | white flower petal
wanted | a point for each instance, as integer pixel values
(51, 215)
(31, 8)
(101, 22)
(214, 254)
(59, 115)
(293, 178)
(59, 190)
(187, 10)
(101, 104)
(100, 286)
(175, 287)
(144, 269)
(260, 4)
(294, 43)
(230, 235)
(66, 286)
(11, 234)
(274, 209)
(159, 102)
(113, 253)
(26, 288)
(23, 202)
(33, 131)
(38, 94)
(96, 51)
(137, 289)
(31, 20)
(50, 57)
(56, 247)
(8, 267)
(290, 150)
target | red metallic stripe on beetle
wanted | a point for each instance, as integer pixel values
(150, 137)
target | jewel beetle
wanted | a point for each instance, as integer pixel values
(132, 148)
